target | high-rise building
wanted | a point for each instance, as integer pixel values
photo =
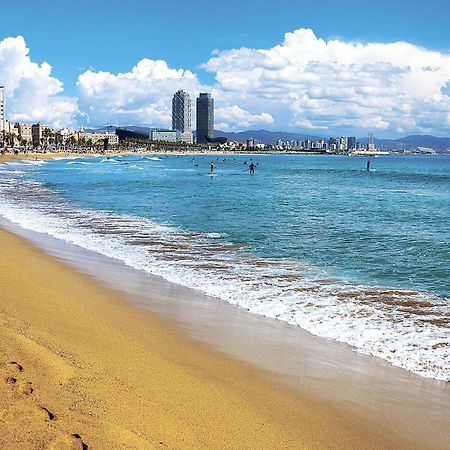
(181, 115)
(370, 144)
(351, 143)
(205, 118)
(343, 143)
(2, 108)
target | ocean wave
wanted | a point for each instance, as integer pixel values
(410, 329)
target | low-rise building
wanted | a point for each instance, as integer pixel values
(25, 133)
(165, 135)
(96, 138)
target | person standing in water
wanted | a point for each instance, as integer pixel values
(368, 165)
(252, 168)
(211, 170)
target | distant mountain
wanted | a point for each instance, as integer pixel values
(441, 145)
(264, 136)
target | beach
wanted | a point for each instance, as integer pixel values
(77, 360)
(97, 354)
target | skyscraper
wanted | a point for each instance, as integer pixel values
(181, 115)
(205, 117)
(370, 144)
(351, 143)
(2, 108)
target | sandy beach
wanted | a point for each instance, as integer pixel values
(81, 367)
(96, 355)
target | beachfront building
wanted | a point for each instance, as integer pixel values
(24, 132)
(165, 135)
(96, 137)
(9, 134)
(181, 115)
(2, 108)
(205, 118)
(37, 134)
(65, 135)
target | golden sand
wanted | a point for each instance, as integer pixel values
(82, 368)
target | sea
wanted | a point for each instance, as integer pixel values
(360, 257)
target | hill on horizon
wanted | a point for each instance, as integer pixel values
(440, 144)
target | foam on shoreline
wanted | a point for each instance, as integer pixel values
(376, 321)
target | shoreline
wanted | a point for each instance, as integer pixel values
(364, 396)
(333, 420)
(86, 363)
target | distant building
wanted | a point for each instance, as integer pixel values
(2, 108)
(24, 132)
(370, 144)
(205, 118)
(165, 135)
(97, 138)
(64, 134)
(37, 134)
(181, 115)
(343, 143)
(124, 134)
(351, 143)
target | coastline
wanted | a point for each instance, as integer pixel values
(120, 377)
(352, 393)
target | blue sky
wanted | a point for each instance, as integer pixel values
(114, 36)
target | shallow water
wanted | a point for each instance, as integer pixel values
(363, 258)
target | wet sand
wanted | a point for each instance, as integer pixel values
(80, 366)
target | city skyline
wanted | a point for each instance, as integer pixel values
(296, 75)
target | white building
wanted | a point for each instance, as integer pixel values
(165, 135)
(182, 116)
(2, 108)
(98, 137)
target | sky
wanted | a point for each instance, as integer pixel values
(323, 67)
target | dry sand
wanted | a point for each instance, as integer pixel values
(81, 368)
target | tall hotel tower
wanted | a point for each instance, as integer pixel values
(181, 115)
(2, 108)
(205, 118)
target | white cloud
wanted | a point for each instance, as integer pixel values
(234, 118)
(32, 93)
(141, 96)
(144, 94)
(307, 82)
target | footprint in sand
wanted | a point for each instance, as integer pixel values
(10, 380)
(13, 365)
(44, 413)
(68, 442)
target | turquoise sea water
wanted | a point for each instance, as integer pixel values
(360, 257)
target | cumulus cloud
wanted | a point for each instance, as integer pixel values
(308, 82)
(32, 93)
(305, 82)
(143, 96)
(234, 117)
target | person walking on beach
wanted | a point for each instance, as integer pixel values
(368, 165)
(252, 168)
(211, 171)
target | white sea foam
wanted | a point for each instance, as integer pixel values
(82, 163)
(399, 326)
